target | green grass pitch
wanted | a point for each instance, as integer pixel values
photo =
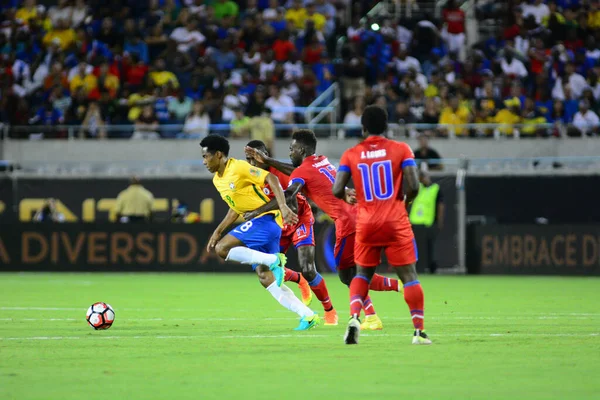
(219, 336)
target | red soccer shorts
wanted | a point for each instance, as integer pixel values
(398, 255)
(301, 235)
(344, 252)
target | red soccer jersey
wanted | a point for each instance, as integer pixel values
(303, 206)
(317, 175)
(376, 167)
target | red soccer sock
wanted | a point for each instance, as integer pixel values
(382, 284)
(319, 288)
(291, 275)
(368, 306)
(359, 290)
(414, 297)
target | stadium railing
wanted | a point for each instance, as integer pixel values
(169, 131)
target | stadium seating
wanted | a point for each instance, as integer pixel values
(97, 69)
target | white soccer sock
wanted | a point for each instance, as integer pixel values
(245, 255)
(286, 298)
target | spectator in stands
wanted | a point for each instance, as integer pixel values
(431, 114)
(134, 204)
(135, 45)
(83, 79)
(196, 123)
(313, 51)
(454, 31)
(508, 116)
(180, 106)
(282, 47)
(512, 66)
(108, 83)
(161, 77)
(224, 57)
(576, 82)
(405, 118)
(49, 213)
(146, 125)
(427, 154)
(454, 115)
(109, 35)
(27, 12)
(353, 117)
(531, 119)
(187, 37)
(48, 117)
(61, 34)
(59, 101)
(296, 14)
(537, 9)
(318, 20)
(353, 75)
(558, 115)
(93, 125)
(156, 41)
(135, 71)
(404, 62)
(224, 8)
(281, 106)
(586, 121)
(240, 123)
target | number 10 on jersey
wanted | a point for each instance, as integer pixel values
(377, 180)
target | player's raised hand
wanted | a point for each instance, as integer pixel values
(289, 217)
(214, 239)
(250, 215)
(350, 196)
(259, 156)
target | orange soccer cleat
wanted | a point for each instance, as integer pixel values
(305, 291)
(331, 317)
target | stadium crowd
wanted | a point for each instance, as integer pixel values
(151, 64)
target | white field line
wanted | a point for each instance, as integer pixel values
(458, 314)
(430, 318)
(285, 336)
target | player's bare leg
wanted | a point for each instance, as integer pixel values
(413, 295)
(372, 322)
(306, 258)
(359, 291)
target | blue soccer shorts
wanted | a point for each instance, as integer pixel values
(260, 234)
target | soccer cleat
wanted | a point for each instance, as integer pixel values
(420, 337)
(372, 323)
(352, 331)
(307, 323)
(305, 291)
(278, 268)
(331, 317)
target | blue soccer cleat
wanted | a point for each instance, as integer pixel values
(307, 323)
(278, 268)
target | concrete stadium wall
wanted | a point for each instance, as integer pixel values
(171, 150)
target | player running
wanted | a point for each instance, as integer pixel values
(315, 176)
(255, 242)
(377, 167)
(301, 235)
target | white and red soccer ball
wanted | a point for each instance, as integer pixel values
(100, 316)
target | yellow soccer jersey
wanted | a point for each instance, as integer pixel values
(241, 187)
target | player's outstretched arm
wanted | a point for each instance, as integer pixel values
(229, 219)
(410, 184)
(271, 162)
(289, 217)
(341, 181)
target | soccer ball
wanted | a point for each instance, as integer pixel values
(100, 316)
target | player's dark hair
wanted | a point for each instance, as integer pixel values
(258, 144)
(374, 120)
(214, 143)
(306, 138)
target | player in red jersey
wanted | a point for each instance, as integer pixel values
(377, 167)
(301, 235)
(314, 175)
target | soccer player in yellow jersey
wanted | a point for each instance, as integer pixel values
(256, 242)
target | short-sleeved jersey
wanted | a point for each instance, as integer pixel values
(376, 166)
(241, 186)
(317, 175)
(303, 206)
